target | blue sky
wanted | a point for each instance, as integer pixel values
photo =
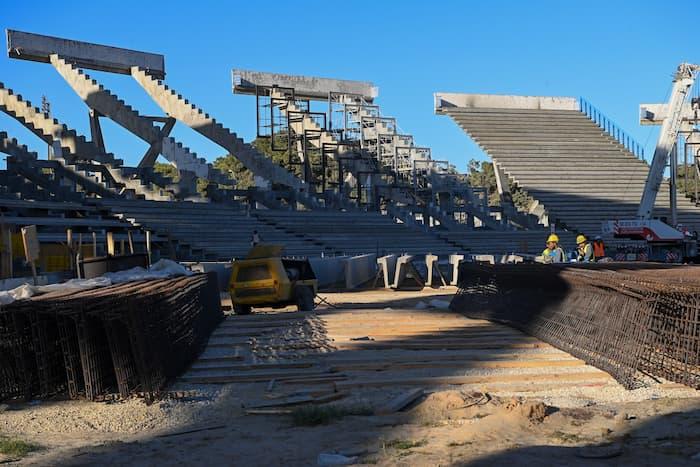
(616, 54)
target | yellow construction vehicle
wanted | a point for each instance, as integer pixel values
(266, 279)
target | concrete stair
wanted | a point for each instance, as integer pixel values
(97, 97)
(358, 232)
(178, 107)
(29, 162)
(76, 148)
(580, 175)
(211, 231)
(50, 129)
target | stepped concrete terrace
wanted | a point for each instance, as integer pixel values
(498, 243)
(580, 173)
(211, 230)
(357, 232)
(53, 218)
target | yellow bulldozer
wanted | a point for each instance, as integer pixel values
(266, 279)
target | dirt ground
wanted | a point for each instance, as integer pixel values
(448, 425)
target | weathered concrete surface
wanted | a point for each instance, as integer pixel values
(493, 101)
(388, 266)
(222, 269)
(38, 48)
(491, 259)
(311, 87)
(654, 114)
(330, 272)
(431, 261)
(176, 106)
(360, 270)
(455, 259)
(406, 275)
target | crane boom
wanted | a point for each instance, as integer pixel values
(682, 82)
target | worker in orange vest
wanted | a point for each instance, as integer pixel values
(598, 248)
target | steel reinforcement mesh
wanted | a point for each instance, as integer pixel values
(632, 321)
(126, 339)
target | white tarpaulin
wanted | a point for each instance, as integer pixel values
(160, 270)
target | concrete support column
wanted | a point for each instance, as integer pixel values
(455, 259)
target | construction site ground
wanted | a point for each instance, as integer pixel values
(375, 377)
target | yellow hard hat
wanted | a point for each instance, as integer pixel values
(553, 238)
(580, 239)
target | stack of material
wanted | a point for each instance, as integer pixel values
(629, 320)
(131, 338)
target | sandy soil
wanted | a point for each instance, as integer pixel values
(447, 426)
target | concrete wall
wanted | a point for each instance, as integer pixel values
(493, 101)
(360, 270)
(244, 82)
(330, 272)
(222, 269)
(37, 47)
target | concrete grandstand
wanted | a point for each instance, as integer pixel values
(354, 183)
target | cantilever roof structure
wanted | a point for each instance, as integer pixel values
(38, 48)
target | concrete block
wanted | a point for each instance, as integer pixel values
(360, 270)
(37, 47)
(311, 87)
(387, 264)
(491, 259)
(406, 275)
(330, 272)
(455, 259)
(511, 259)
(221, 268)
(430, 262)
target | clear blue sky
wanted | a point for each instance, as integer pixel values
(616, 54)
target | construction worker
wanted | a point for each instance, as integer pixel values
(553, 253)
(598, 248)
(255, 239)
(585, 250)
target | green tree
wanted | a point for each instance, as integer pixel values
(687, 184)
(167, 170)
(482, 174)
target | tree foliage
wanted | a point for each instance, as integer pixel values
(482, 174)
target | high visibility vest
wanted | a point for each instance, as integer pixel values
(598, 249)
(554, 256)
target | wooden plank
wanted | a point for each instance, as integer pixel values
(399, 402)
(369, 345)
(318, 380)
(480, 379)
(427, 356)
(284, 402)
(252, 378)
(268, 411)
(256, 366)
(424, 333)
(261, 325)
(456, 363)
(228, 358)
(427, 338)
(241, 333)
